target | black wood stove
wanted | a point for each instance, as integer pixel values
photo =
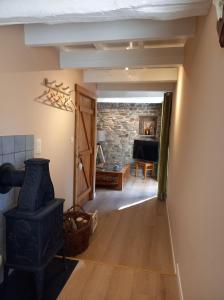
(34, 229)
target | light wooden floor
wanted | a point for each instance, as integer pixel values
(96, 281)
(129, 256)
(136, 236)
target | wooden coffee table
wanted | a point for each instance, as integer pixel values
(107, 177)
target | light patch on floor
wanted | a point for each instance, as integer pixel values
(135, 203)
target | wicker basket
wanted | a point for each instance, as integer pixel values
(76, 241)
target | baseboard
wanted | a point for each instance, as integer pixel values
(179, 283)
(171, 241)
(175, 264)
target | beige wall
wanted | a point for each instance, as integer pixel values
(20, 77)
(16, 57)
(20, 114)
(196, 168)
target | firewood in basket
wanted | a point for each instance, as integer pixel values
(78, 222)
(74, 226)
(84, 222)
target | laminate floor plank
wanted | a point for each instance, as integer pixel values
(106, 282)
(135, 235)
(129, 256)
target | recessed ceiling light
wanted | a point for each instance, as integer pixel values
(126, 68)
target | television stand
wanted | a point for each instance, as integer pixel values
(146, 165)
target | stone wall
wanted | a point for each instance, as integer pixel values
(121, 124)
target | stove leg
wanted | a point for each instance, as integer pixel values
(39, 283)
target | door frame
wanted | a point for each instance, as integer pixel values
(79, 90)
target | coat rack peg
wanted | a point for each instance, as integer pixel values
(57, 98)
(66, 100)
(46, 81)
(42, 95)
(49, 97)
(58, 85)
(65, 88)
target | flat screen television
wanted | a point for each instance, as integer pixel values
(147, 150)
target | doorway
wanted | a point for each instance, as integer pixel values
(124, 122)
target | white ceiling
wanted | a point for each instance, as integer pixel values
(66, 11)
(137, 99)
(128, 94)
(115, 44)
(132, 42)
(129, 97)
(128, 45)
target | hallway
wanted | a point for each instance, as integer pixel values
(129, 253)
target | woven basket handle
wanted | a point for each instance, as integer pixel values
(76, 207)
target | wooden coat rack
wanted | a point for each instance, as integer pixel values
(56, 95)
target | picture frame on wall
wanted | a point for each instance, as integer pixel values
(147, 125)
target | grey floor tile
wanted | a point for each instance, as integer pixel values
(3, 200)
(8, 145)
(20, 143)
(8, 158)
(20, 157)
(29, 154)
(29, 142)
(7, 201)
